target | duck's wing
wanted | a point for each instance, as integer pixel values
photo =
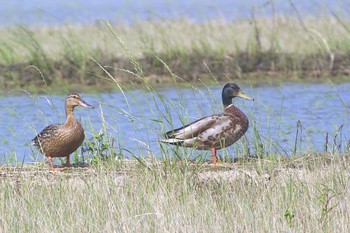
(46, 134)
(206, 133)
(205, 125)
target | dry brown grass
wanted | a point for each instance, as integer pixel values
(303, 194)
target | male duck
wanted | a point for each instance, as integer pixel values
(60, 140)
(216, 131)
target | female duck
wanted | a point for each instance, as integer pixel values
(60, 140)
(216, 131)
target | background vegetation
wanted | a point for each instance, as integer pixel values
(275, 48)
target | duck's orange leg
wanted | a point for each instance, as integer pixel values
(55, 169)
(215, 159)
(68, 161)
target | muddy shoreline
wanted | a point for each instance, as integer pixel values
(161, 69)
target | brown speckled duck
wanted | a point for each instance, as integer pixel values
(216, 131)
(60, 140)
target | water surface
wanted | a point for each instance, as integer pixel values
(137, 118)
(40, 12)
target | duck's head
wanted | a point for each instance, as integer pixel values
(74, 100)
(231, 91)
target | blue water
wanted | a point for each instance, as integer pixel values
(40, 12)
(137, 118)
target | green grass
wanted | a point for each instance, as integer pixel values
(299, 194)
(282, 35)
(275, 48)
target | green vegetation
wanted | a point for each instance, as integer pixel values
(278, 48)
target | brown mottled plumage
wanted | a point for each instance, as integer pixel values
(60, 140)
(216, 131)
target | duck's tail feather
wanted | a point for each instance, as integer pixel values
(173, 141)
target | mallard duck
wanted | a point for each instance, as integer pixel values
(216, 131)
(60, 140)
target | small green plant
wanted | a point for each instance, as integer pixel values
(325, 199)
(289, 216)
(100, 148)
